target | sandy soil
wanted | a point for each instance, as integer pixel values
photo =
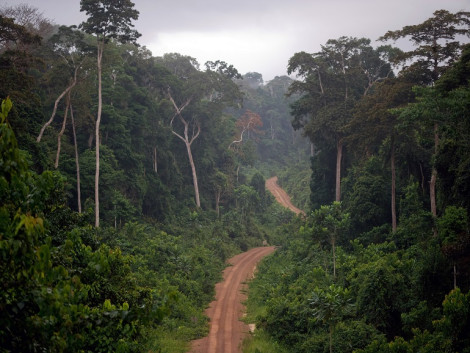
(281, 196)
(226, 330)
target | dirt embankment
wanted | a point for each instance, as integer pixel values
(226, 330)
(281, 196)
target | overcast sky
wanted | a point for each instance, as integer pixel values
(256, 35)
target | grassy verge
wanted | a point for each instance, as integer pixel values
(260, 342)
(165, 340)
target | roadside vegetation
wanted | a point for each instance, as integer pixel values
(127, 181)
(381, 262)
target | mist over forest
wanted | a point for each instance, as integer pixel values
(127, 181)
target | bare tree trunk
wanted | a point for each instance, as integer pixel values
(54, 111)
(432, 183)
(90, 139)
(272, 128)
(77, 163)
(432, 191)
(193, 170)
(154, 160)
(97, 136)
(339, 155)
(187, 141)
(218, 194)
(61, 132)
(394, 208)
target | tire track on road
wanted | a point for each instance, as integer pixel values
(281, 196)
(226, 329)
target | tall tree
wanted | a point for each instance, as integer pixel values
(333, 80)
(436, 49)
(107, 19)
(65, 92)
(66, 51)
(220, 183)
(204, 95)
(332, 221)
(454, 155)
(77, 163)
(191, 131)
(20, 81)
(373, 123)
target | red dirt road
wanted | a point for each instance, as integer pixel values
(281, 196)
(226, 330)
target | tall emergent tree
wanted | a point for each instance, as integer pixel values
(436, 49)
(67, 44)
(374, 126)
(107, 20)
(332, 81)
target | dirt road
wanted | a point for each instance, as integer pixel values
(227, 331)
(280, 195)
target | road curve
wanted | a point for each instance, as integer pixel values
(226, 329)
(281, 196)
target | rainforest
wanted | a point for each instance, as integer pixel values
(127, 182)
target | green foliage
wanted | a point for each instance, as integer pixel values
(449, 333)
(415, 223)
(258, 183)
(68, 295)
(367, 200)
(452, 224)
(431, 53)
(142, 280)
(322, 185)
(295, 179)
(44, 305)
(382, 294)
(247, 200)
(330, 221)
(260, 342)
(110, 19)
(331, 305)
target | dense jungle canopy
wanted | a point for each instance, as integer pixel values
(127, 181)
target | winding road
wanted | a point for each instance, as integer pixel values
(281, 196)
(226, 330)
